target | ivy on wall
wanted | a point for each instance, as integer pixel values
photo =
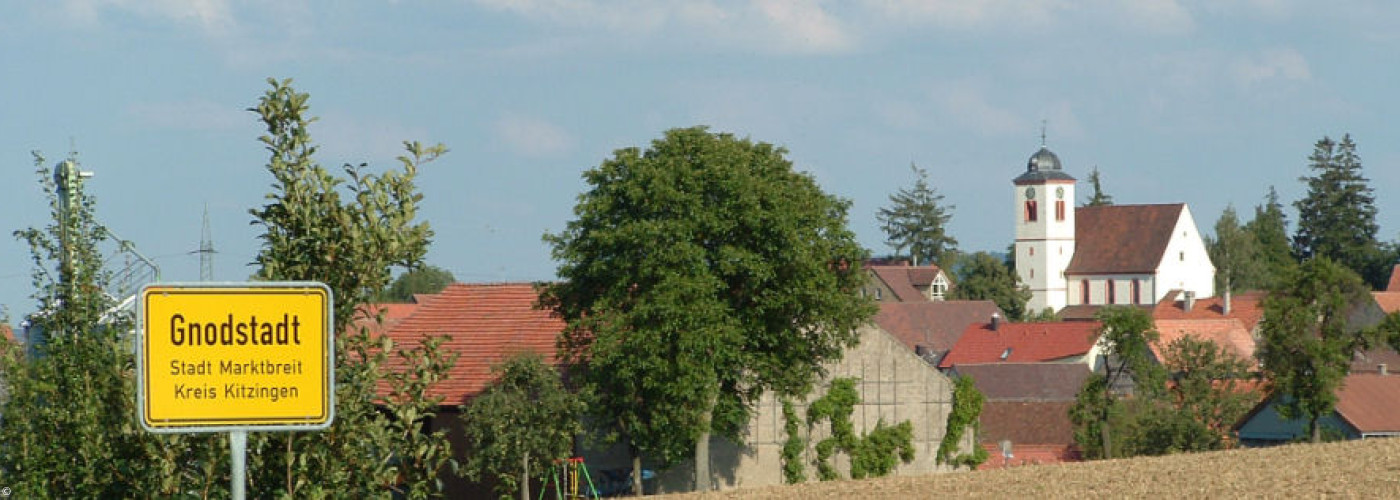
(967, 409)
(874, 454)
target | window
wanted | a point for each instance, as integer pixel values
(1109, 288)
(878, 293)
(1060, 210)
(1006, 354)
(1084, 291)
(1032, 250)
(1031, 215)
(1181, 256)
(938, 288)
(1137, 291)
(1032, 273)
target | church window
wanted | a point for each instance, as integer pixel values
(1032, 273)
(1137, 291)
(1032, 249)
(1031, 215)
(1110, 291)
(1084, 291)
(1060, 210)
(1181, 256)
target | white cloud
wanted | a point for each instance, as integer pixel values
(804, 26)
(191, 115)
(966, 105)
(533, 137)
(1285, 63)
(210, 16)
(967, 13)
(1158, 17)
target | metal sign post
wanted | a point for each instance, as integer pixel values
(235, 357)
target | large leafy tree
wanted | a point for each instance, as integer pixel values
(522, 422)
(695, 275)
(1210, 385)
(1308, 340)
(1126, 334)
(1235, 252)
(916, 221)
(985, 277)
(1097, 196)
(1337, 218)
(1270, 230)
(351, 244)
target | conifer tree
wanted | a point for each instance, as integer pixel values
(1337, 218)
(1097, 197)
(1269, 228)
(1235, 253)
(916, 221)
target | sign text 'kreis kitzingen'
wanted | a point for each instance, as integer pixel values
(235, 356)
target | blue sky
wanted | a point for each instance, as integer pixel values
(1204, 102)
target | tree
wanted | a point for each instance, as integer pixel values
(1235, 252)
(696, 275)
(68, 428)
(985, 277)
(1337, 218)
(1308, 341)
(1208, 384)
(524, 421)
(1125, 334)
(916, 220)
(1097, 197)
(1270, 230)
(352, 246)
(424, 280)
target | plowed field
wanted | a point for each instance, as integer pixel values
(1357, 469)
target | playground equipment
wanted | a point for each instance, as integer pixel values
(566, 477)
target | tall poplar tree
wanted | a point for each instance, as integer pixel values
(1337, 218)
(916, 221)
(1235, 253)
(697, 274)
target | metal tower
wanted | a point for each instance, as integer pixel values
(206, 250)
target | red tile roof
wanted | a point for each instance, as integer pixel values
(1394, 285)
(1122, 239)
(487, 323)
(1388, 301)
(1370, 402)
(936, 325)
(1029, 422)
(1228, 333)
(904, 280)
(1246, 307)
(1370, 360)
(1022, 342)
(1026, 381)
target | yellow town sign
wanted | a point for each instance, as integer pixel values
(253, 356)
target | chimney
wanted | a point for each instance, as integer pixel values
(1227, 301)
(1382, 368)
(1189, 301)
(996, 321)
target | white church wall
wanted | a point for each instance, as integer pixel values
(1186, 264)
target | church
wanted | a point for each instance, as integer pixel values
(1104, 255)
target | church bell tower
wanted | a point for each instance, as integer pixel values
(1044, 198)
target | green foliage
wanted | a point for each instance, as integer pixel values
(1126, 334)
(1094, 411)
(423, 280)
(1337, 218)
(1209, 385)
(525, 415)
(793, 446)
(695, 275)
(917, 220)
(349, 233)
(1270, 230)
(1235, 253)
(984, 277)
(1308, 341)
(1097, 197)
(69, 428)
(874, 454)
(967, 412)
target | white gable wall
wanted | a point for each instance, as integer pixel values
(1186, 264)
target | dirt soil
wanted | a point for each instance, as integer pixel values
(1356, 469)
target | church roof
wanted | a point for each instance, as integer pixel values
(1042, 166)
(1122, 239)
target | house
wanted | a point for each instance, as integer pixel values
(486, 323)
(1104, 255)
(931, 328)
(1247, 308)
(1368, 405)
(902, 282)
(1026, 411)
(1229, 334)
(1040, 342)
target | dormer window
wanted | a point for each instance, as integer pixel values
(938, 288)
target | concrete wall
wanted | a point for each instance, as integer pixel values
(894, 385)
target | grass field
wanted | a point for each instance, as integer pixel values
(1357, 469)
